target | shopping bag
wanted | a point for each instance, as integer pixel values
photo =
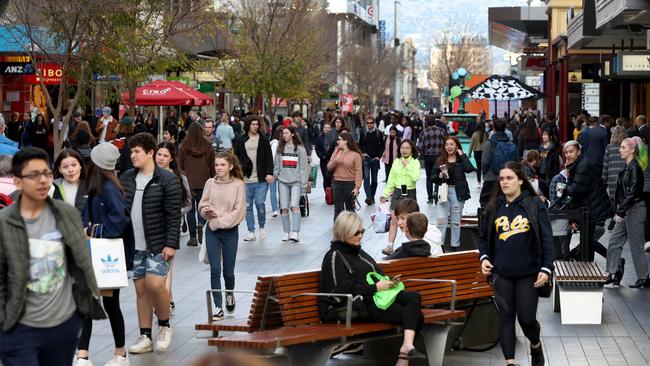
(109, 262)
(443, 192)
(381, 218)
(203, 253)
(313, 175)
(329, 196)
(384, 299)
(304, 205)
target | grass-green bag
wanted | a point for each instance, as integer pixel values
(384, 299)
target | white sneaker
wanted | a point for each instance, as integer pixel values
(294, 236)
(218, 315)
(263, 234)
(142, 345)
(163, 338)
(285, 237)
(249, 236)
(82, 362)
(274, 213)
(118, 361)
(646, 246)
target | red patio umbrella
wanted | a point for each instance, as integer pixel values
(167, 92)
(201, 98)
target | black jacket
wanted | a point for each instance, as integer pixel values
(372, 143)
(161, 208)
(415, 248)
(79, 200)
(537, 215)
(629, 188)
(336, 278)
(264, 157)
(457, 176)
(585, 189)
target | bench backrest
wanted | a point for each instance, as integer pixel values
(464, 267)
(263, 307)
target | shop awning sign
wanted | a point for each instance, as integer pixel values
(16, 68)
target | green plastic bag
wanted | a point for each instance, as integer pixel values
(384, 299)
(313, 174)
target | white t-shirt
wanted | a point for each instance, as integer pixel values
(141, 182)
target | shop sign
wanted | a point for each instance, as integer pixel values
(15, 68)
(591, 98)
(347, 103)
(534, 63)
(633, 64)
(155, 92)
(16, 59)
(50, 72)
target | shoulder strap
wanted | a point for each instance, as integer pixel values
(345, 262)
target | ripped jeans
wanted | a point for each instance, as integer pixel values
(453, 209)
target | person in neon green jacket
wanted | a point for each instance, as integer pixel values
(401, 184)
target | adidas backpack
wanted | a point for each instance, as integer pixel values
(504, 151)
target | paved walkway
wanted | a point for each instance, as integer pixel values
(622, 339)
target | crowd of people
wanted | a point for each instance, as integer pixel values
(113, 179)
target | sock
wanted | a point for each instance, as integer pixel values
(163, 323)
(146, 331)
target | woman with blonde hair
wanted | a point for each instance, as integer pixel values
(630, 215)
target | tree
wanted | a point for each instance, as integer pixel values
(453, 50)
(280, 49)
(58, 32)
(138, 38)
(370, 71)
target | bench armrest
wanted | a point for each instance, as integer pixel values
(451, 282)
(348, 309)
(208, 297)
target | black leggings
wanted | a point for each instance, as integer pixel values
(478, 155)
(112, 307)
(405, 311)
(646, 200)
(429, 164)
(516, 298)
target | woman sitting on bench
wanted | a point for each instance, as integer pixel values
(344, 271)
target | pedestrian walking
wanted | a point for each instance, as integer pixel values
(153, 197)
(594, 140)
(372, 147)
(322, 148)
(291, 171)
(407, 133)
(528, 137)
(612, 161)
(346, 167)
(391, 150)
(549, 154)
(477, 141)
(254, 153)
(496, 152)
(629, 216)
(166, 159)
(196, 158)
(43, 306)
(273, 186)
(451, 169)
(225, 133)
(68, 185)
(516, 251)
(402, 181)
(223, 205)
(106, 212)
(430, 144)
(106, 126)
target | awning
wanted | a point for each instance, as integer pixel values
(167, 92)
(498, 87)
(518, 28)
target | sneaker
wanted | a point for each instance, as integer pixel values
(230, 302)
(249, 236)
(274, 213)
(388, 250)
(218, 315)
(646, 246)
(172, 307)
(192, 242)
(163, 338)
(142, 345)
(82, 362)
(430, 201)
(294, 236)
(263, 233)
(537, 356)
(200, 233)
(285, 237)
(118, 360)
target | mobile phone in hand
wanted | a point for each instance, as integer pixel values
(396, 278)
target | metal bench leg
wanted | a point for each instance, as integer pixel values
(314, 354)
(435, 341)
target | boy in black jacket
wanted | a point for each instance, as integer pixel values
(417, 225)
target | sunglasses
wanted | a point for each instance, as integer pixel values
(360, 232)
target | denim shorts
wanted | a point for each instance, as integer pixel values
(146, 263)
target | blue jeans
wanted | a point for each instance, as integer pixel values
(256, 195)
(370, 170)
(453, 209)
(273, 187)
(28, 346)
(191, 216)
(221, 242)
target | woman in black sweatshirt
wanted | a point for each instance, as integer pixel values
(516, 249)
(344, 271)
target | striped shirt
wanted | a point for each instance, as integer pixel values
(612, 165)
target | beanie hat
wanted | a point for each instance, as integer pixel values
(126, 120)
(106, 110)
(105, 156)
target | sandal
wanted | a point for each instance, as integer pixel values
(388, 250)
(411, 355)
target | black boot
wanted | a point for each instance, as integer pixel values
(618, 276)
(537, 356)
(641, 283)
(610, 279)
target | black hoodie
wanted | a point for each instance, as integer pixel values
(415, 248)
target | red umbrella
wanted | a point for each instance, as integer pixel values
(202, 98)
(165, 92)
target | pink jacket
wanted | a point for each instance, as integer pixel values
(385, 157)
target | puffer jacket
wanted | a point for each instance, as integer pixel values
(198, 163)
(161, 208)
(585, 189)
(14, 263)
(629, 188)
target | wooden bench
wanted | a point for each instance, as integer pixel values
(306, 341)
(577, 284)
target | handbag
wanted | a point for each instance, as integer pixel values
(203, 252)
(443, 193)
(384, 299)
(304, 205)
(108, 260)
(329, 196)
(546, 289)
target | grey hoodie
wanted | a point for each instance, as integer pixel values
(291, 167)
